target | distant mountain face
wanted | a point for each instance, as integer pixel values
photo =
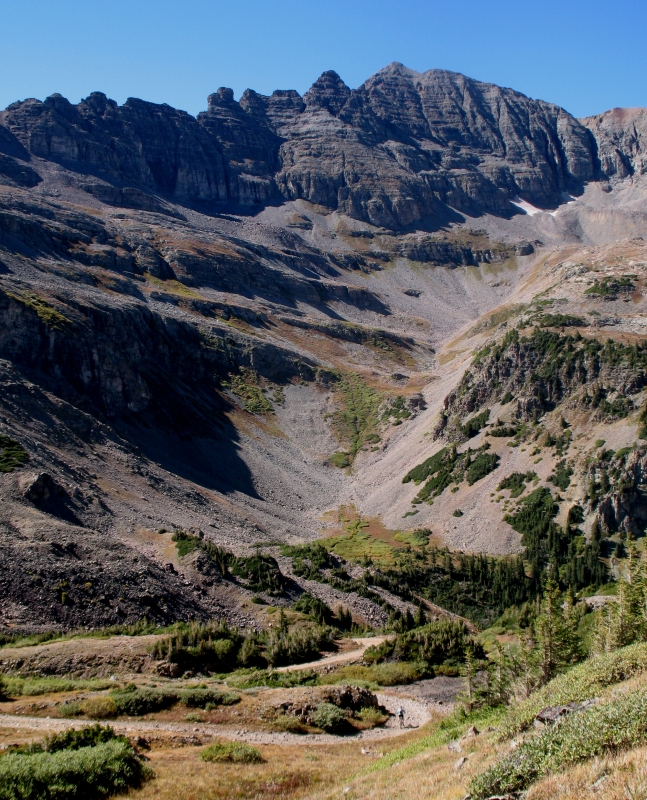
(621, 138)
(402, 149)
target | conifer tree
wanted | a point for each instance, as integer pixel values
(556, 633)
(469, 673)
(500, 674)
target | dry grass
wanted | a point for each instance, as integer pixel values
(290, 771)
(434, 773)
(620, 777)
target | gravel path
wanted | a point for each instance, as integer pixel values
(339, 658)
(416, 714)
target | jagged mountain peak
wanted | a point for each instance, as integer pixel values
(405, 149)
(329, 91)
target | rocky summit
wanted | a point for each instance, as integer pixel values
(402, 150)
(351, 315)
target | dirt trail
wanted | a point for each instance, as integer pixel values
(416, 714)
(339, 658)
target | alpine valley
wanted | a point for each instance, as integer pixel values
(373, 357)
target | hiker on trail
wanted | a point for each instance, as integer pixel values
(400, 716)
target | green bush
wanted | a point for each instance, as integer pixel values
(289, 724)
(516, 482)
(200, 698)
(329, 718)
(429, 467)
(188, 542)
(134, 702)
(475, 424)
(261, 573)
(317, 609)
(96, 708)
(372, 716)
(32, 687)
(560, 321)
(12, 454)
(483, 464)
(201, 647)
(388, 673)
(358, 417)
(236, 752)
(340, 459)
(251, 396)
(444, 641)
(70, 774)
(250, 679)
(561, 476)
(89, 736)
(617, 724)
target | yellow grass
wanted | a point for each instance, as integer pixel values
(620, 777)
(292, 771)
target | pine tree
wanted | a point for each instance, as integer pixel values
(603, 631)
(556, 633)
(469, 673)
(421, 617)
(283, 622)
(524, 667)
(500, 673)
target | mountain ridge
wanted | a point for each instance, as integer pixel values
(401, 150)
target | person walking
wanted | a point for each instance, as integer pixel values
(400, 716)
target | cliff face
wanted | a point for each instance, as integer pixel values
(396, 151)
(621, 137)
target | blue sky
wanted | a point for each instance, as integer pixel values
(586, 55)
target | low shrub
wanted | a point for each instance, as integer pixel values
(289, 724)
(582, 682)
(134, 702)
(506, 431)
(614, 725)
(201, 698)
(340, 459)
(76, 769)
(561, 476)
(384, 674)
(69, 710)
(99, 708)
(236, 752)
(314, 607)
(32, 687)
(12, 454)
(260, 572)
(250, 679)
(89, 736)
(483, 464)
(371, 717)
(329, 718)
(443, 641)
(516, 483)
(474, 425)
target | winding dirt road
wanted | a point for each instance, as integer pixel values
(416, 714)
(340, 658)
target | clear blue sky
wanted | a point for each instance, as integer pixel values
(586, 55)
